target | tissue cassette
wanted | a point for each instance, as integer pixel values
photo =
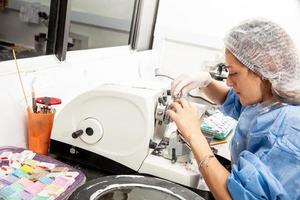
(218, 125)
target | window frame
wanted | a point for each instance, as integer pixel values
(60, 20)
(58, 28)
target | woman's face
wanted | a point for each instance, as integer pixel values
(247, 85)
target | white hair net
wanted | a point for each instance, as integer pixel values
(266, 49)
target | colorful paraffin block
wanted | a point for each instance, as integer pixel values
(20, 173)
(25, 182)
(54, 190)
(63, 182)
(15, 164)
(32, 163)
(6, 155)
(28, 155)
(25, 195)
(4, 181)
(47, 166)
(42, 198)
(18, 157)
(17, 187)
(46, 180)
(35, 177)
(2, 185)
(34, 188)
(6, 192)
(10, 178)
(66, 174)
(38, 173)
(60, 169)
(6, 170)
(4, 162)
(14, 198)
(46, 193)
(71, 174)
(27, 169)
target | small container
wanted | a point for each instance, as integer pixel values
(40, 42)
(39, 131)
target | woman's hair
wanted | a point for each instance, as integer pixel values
(267, 49)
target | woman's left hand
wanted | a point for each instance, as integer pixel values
(186, 117)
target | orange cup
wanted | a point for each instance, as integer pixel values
(39, 131)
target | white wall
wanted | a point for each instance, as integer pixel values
(215, 17)
(189, 32)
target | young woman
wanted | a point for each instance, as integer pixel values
(263, 94)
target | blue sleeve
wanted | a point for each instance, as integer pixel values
(232, 105)
(252, 179)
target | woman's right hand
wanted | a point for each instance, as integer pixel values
(186, 117)
(185, 83)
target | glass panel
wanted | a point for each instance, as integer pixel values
(100, 23)
(24, 27)
(132, 193)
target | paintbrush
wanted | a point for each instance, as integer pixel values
(34, 106)
(20, 78)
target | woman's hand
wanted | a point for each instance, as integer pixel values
(185, 83)
(186, 117)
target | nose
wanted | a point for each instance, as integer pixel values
(229, 82)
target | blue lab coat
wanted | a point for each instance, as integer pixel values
(265, 150)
